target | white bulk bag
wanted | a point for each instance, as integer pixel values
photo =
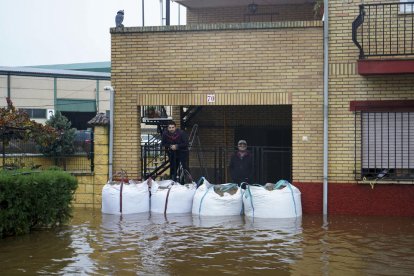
(284, 201)
(207, 202)
(171, 197)
(134, 197)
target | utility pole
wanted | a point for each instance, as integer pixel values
(143, 12)
(167, 13)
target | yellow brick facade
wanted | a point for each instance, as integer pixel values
(251, 64)
(346, 85)
(248, 64)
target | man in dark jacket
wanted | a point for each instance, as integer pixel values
(241, 164)
(175, 142)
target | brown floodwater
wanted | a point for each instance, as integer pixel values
(143, 244)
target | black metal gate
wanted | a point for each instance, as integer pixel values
(270, 164)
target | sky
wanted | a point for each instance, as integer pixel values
(43, 32)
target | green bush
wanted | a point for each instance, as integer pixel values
(30, 199)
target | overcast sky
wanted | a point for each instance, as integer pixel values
(41, 32)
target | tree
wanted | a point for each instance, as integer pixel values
(64, 144)
(16, 124)
(318, 8)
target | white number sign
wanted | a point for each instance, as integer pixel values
(211, 98)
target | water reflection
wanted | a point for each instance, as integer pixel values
(219, 222)
(30, 253)
(182, 244)
(130, 242)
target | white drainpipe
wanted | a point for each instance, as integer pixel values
(161, 13)
(111, 128)
(325, 107)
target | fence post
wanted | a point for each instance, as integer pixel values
(91, 153)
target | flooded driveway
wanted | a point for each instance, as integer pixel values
(98, 244)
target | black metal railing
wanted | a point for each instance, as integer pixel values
(385, 29)
(384, 145)
(188, 113)
(154, 112)
(270, 163)
(154, 160)
(156, 115)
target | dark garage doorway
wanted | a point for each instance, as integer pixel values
(272, 151)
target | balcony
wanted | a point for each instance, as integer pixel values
(384, 35)
(241, 11)
(156, 115)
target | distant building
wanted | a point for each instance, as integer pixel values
(76, 90)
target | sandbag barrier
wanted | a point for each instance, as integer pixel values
(217, 199)
(171, 197)
(125, 197)
(279, 200)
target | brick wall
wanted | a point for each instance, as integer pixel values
(241, 64)
(346, 85)
(127, 130)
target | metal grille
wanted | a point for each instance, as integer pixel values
(384, 145)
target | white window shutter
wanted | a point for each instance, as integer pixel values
(388, 140)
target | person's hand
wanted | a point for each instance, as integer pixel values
(174, 147)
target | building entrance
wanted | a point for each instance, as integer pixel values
(272, 151)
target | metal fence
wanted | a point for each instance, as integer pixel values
(385, 29)
(270, 163)
(26, 154)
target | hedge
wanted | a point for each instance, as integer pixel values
(30, 199)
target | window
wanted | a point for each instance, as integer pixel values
(406, 7)
(35, 113)
(387, 145)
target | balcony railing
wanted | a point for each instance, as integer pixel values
(386, 29)
(152, 114)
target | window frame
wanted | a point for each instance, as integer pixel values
(32, 112)
(401, 151)
(406, 8)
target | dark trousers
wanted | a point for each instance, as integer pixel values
(177, 157)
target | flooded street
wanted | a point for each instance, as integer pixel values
(97, 244)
